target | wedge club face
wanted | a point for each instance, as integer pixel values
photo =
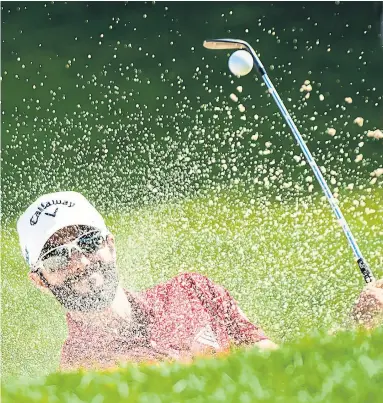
(221, 44)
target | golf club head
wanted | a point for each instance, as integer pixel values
(219, 44)
(231, 44)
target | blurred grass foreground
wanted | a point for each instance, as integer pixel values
(347, 367)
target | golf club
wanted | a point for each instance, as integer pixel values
(225, 44)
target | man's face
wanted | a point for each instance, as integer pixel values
(83, 276)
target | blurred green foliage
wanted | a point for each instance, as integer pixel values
(347, 367)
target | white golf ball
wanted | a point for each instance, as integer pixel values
(240, 63)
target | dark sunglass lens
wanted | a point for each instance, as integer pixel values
(56, 262)
(91, 242)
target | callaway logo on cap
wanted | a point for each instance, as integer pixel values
(48, 214)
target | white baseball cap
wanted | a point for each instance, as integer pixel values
(50, 213)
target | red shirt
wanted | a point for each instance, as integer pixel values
(185, 316)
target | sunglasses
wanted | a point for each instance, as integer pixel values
(58, 258)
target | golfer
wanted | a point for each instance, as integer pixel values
(72, 255)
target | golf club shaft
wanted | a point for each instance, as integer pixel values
(366, 272)
(230, 43)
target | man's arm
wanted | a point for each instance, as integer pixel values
(218, 301)
(242, 331)
(368, 310)
(69, 357)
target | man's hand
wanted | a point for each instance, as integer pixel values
(368, 310)
(266, 345)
